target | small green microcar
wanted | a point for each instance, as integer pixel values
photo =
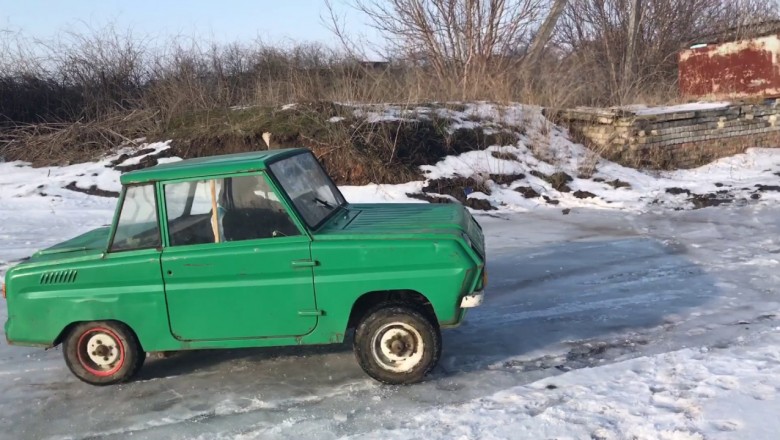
(250, 250)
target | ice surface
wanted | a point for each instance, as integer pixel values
(599, 323)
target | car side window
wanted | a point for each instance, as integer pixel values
(190, 207)
(253, 210)
(225, 210)
(137, 227)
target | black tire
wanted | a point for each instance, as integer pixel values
(115, 356)
(396, 344)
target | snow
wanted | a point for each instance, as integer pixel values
(634, 316)
(661, 110)
(680, 395)
(374, 193)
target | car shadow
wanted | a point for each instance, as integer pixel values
(160, 365)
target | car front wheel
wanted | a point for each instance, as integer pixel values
(396, 344)
(103, 352)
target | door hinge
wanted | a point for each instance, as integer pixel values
(305, 263)
(310, 313)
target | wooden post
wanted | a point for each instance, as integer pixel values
(214, 211)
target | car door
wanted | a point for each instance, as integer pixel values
(235, 263)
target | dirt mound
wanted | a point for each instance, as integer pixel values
(355, 149)
(457, 188)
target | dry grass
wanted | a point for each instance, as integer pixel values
(72, 142)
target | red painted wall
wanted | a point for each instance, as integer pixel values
(739, 69)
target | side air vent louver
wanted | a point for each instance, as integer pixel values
(59, 277)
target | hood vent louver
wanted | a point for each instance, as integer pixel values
(59, 277)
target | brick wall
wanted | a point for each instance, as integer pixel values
(675, 137)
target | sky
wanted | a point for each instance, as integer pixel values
(273, 21)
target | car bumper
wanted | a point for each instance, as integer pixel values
(473, 300)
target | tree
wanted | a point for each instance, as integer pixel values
(460, 40)
(546, 31)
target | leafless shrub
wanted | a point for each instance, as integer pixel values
(69, 142)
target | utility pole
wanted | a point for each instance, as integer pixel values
(634, 20)
(545, 32)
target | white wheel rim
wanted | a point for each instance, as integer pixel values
(103, 350)
(397, 347)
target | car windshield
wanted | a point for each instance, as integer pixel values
(313, 193)
(137, 225)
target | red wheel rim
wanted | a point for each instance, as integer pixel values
(86, 358)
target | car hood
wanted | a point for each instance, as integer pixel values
(406, 219)
(92, 242)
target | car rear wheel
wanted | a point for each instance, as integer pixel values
(103, 352)
(396, 344)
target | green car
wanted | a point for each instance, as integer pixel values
(250, 250)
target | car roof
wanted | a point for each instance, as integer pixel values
(208, 166)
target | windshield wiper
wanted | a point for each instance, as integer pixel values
(323, 203)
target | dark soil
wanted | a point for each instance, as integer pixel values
(506, 179)
(558, 180)
(429, 198)
(92, 190)
(551, 201)
(146, 162)
(124, 157)
(527, 192)
(480, 204)
(459, 188)
(584, 195)
(617, 184)
(707, 200)
(766, 188)
(677, 191)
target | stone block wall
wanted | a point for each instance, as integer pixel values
(682, 136)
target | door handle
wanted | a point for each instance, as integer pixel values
(304, 263)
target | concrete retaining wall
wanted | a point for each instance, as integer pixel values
(676, 137)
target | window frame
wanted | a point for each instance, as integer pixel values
(163, 207)
(118, 215)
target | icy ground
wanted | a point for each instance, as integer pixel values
(601, 324)
(633, 316)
